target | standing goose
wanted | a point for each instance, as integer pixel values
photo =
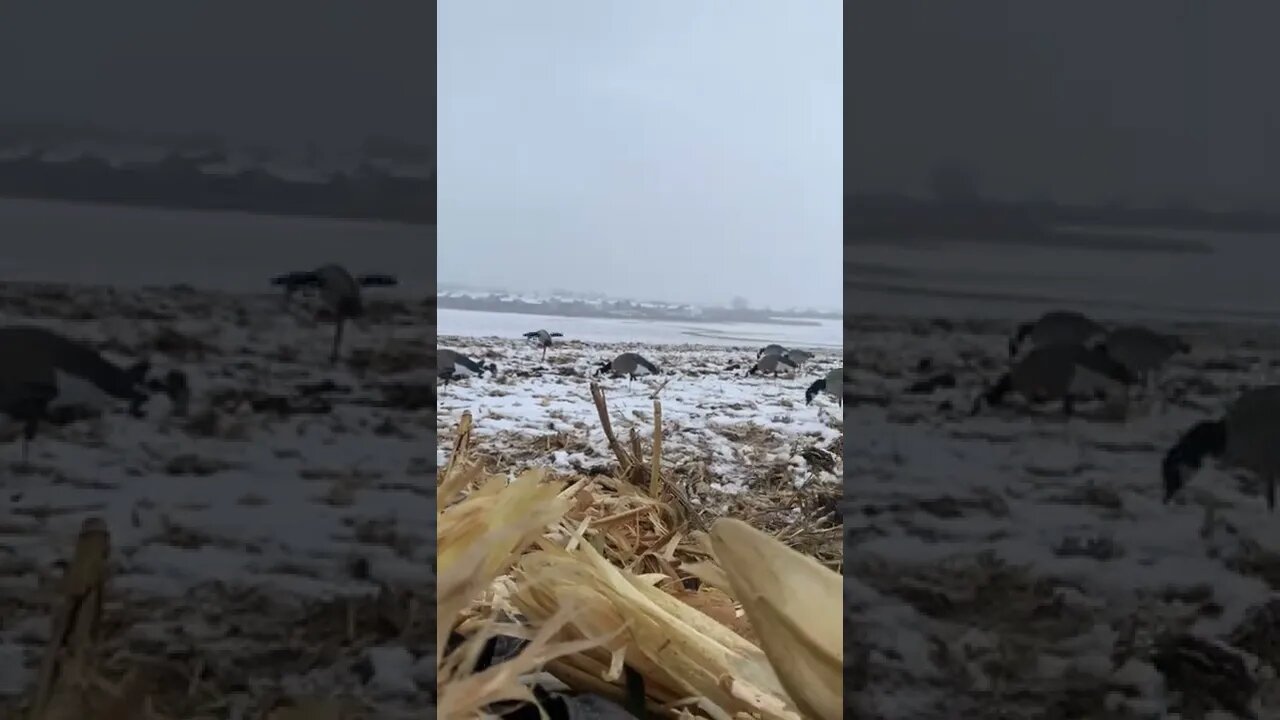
(631, 364)
(339, 292)
(544, 339)
(1142, 351)
(1061, 372)
(451, 364)
(773, 349)
(1057, 327)
(832, 384)
(1244, 438)
(772, 364)
(799, 357)
(41, 370)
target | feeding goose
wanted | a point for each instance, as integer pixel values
(772, 364)
(451, 365)
(544, 339)
(41, 370)
(832, 384)
(773, 349)
(630, 364)
(1245, 438)
(1061, 372)
(1057, 327)
(339, 292)
(1143, 351)
(799, 357)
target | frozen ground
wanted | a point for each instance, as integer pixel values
(1013, 565)
(728, 438)
(243, 533)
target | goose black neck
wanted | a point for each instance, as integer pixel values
(813, 390)
(1021, 334)
(1206, 439)
(995, 395)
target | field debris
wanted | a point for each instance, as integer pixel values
(562, 587)
(259, 557)
(1012, 564)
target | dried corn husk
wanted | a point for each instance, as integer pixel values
(795, 606)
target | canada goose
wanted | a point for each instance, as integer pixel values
(1244, 438)
(451, 364)
(832, 384)
(774, 349)
(339, 292)
(771, 364)
(1060, 372)
(1143, 351)
(1057, 327)
(799, 357)
(631, 364)
(41, 370)
(544, 339)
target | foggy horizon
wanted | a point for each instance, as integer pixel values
(1143, 103)
(659, 151)
(280, 73)
(449, 287)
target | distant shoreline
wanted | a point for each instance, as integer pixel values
(284, 212)
(871, 217)
(367, 193)
(582, 310)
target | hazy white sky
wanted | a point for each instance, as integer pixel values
(277, 72)
(668, 149)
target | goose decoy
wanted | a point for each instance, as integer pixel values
(773, 349)
(799, 357)
(544, 339)
(1057, 327)
(339, 292)
(630, 364)
(1244, 438)
(1143, 351)
(1061, 372)
(832, 384)
(772, 364)
(451, 364)
(41, 371)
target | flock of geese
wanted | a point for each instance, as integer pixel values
(1071, 358)
(47, 376)
(770, 360)
(1074, 358)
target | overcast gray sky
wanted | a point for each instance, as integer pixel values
(1092, 99)
(257, 70)
(666, 149)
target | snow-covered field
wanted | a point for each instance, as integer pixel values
(251, 536)
(1013, 565)
(729, 437)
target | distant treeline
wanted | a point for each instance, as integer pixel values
(622, 309)
(370, 193)
(891, 216)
